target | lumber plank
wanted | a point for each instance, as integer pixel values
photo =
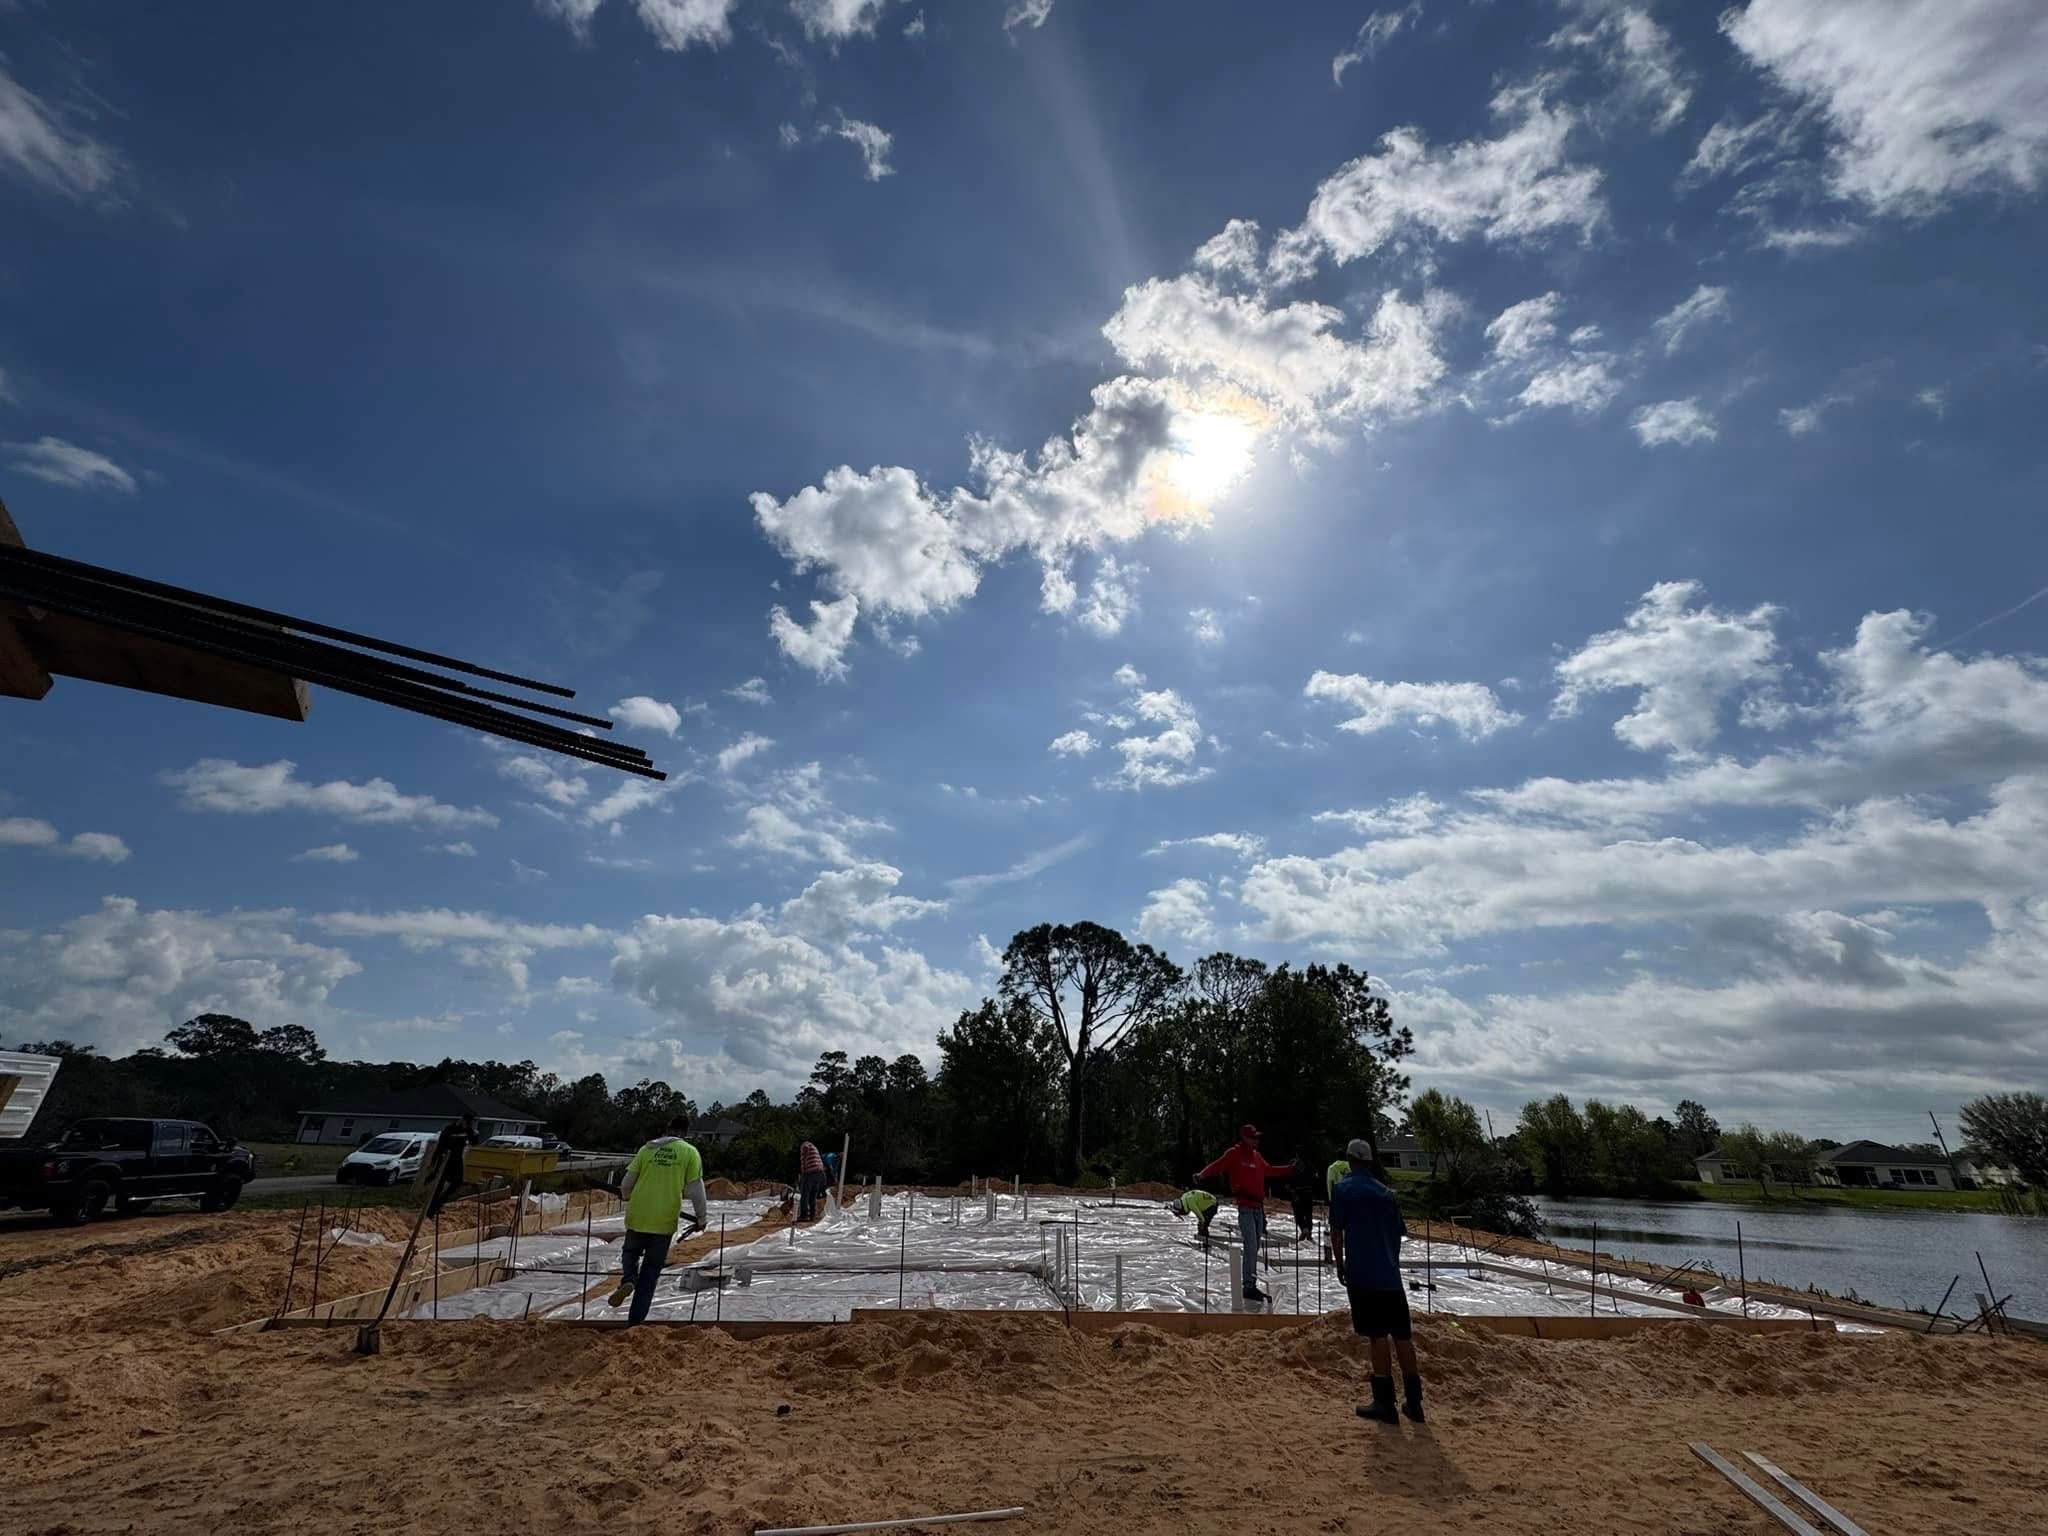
(1751, 1489)
(1805, 1495)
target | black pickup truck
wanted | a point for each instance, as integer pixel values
(126, 1164)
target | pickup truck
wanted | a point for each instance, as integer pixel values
(126, 1164)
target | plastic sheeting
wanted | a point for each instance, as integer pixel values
(1043, 1253)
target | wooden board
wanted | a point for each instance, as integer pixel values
(1752, 1490)
(1557, 1328)
(365, 1304)
(1805, 1495)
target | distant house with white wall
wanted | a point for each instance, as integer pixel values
(1984, 1170)
(1873, 1165)
(355, 1120)
(717, 1130)
(1405, 1152)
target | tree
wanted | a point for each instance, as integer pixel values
(1448, 1131)
(1744, 1150)
(214, 1034)
(1698, 1132)
(1556, 1145)
(1789, 1155)
(1089, 987)
(1626, 1150)
(995, 1088)
(294, 1042)
(2013, 1129)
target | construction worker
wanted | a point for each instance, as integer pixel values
(810, 1181)
(1201, 1205)
(1366, 1231)
(454, 1141)
(660, 1175)
(1247, 1173)
(1302, 1190)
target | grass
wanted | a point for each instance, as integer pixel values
(1783, 1197)
(290, 1159)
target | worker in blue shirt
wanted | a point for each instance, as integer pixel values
(1365, 1232)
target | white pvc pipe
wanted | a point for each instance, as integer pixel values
(889, 1525)
(1236, 1257)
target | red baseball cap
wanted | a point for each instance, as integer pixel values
(1246, 1131)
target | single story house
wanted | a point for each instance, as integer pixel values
(1713, 1169)
(717, 1130)
(1873, 1165)
(1984, 1170)
(413, 1109)
(1405, 1152)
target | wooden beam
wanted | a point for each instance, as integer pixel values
(1574, 1327)
(1805, 1495)
(1754, 1491)
(21, 675)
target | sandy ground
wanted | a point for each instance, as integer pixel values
(118, 1413)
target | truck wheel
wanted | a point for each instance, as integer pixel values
(87, 1205)
(222, 1195)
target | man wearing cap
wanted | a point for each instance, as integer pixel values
(1366, 1231)
(1247, 1172)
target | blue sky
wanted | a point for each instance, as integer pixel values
(1526, 499)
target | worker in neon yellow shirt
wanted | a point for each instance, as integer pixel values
(660, 1175)
(1201, 1205)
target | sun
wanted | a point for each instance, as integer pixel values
(1208, 453)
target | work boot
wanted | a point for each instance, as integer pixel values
(1411, 1390)
(619, 1294)
(1253, 1293)
(1382, 1409)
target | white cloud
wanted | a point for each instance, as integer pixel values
(1378, 30)
(1673, 421)
(120, 976)
(822, 646)
(629, 793)
(1205, 626)
(1587, 385)
(1513, 188)
(57, 462)
(1028, 14)
(1526, 329)
(915, 26)
(38, 146)
(792, 816)
(838, 20)
(1804, 420)
(644, 714)
(552, 778)
(750, 745)
(753, 691)
(775, 989)
(217, 784)
(327, 853)
(1242, 845)
(1167, 757)
(1029, 867)
(681, 24)
(462, 850)
(1111, 599)
(1926, 100)
(1933, 399)
(1073, 744)
(1684, 658)
(1703, 305)
(431, 927)
(1232, 253)
(1814, 238)
(1638, 52)
(873, 144)
(29, 832)
(1180, 910)
(1470, 709)
(1410, 814)
(573, 14)
(843, 905)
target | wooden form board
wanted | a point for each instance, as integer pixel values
(365, 1304)
(1621, 1327)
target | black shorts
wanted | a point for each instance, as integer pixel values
(1380, 1314)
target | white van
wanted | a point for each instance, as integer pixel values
(393, 1158)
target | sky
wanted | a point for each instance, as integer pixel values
(1541, 502)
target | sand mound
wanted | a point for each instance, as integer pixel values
(726, 1189)
(1149, 1189)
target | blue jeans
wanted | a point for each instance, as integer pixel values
(810, 1189)
(642, 1256)
(1251, 1226)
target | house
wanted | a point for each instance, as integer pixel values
(430, 1108)
(1712, 1167)
(717, 1130)
(1873, 1165)
(1983, 1170)
(1405, 1152)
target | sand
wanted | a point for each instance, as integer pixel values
(118, 1413)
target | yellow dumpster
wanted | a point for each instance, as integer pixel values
(512, 1164)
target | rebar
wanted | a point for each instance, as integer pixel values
(1991, 1290)
(1942, 1304)
(583, 1305)
(1742, 1267)
(292, 1273)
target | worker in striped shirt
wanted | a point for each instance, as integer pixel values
(810, 1181)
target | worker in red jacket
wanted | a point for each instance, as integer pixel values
(1247, 1173)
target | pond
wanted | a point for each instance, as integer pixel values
(1892, 1258)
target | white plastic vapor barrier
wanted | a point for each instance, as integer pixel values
(1041, 1254)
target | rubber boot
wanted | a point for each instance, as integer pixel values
(1411, 1391)
(1382, 1409)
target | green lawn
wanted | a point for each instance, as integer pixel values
(1784, 1198)
(289, 1159)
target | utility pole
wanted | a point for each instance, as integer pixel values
(1489, 1126)
(1943, 1141)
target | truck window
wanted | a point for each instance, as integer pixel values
(107, 1136)
(173, 1140)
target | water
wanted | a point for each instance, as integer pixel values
(1892, 1258)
